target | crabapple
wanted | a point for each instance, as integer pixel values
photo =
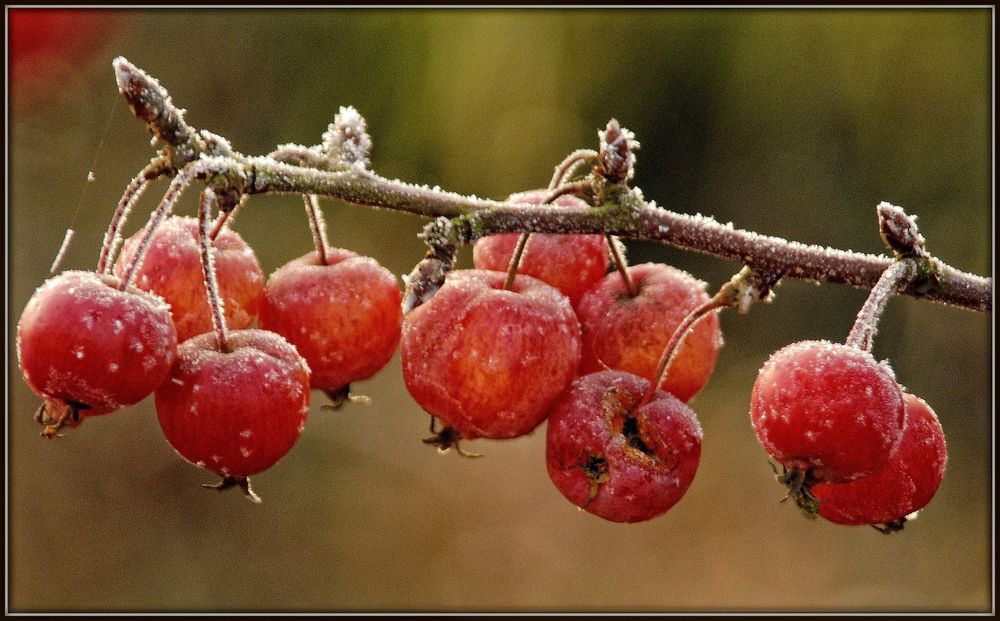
(905, 484)
(344, 316)
(570, 263)
(826, 409)
(629, 333)
(86, 346)
(172, 269)
(234, 412)
(489, 361)
(617, 459)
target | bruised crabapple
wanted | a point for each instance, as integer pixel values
(89, 348)
(826, 410)
(629, 333)
(570, 263)
(172, 269)
(616, 458)
(905, 484)
(234, 412)
(489, 361)
(343, 316)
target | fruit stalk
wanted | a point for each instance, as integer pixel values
(554, 193)
(620, 265)
(133, 191)
(317, 225)
(725, 297)
(865, 326)
(208, 269)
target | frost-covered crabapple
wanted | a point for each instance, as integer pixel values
(84, 344)
(827, 409)
(344, 317)
(618, 461)
(570, 263)
(172, 269)
(905, 484)
(234, 412)
(487, 361)
(629, 333)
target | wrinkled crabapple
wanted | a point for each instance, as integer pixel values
(826, 409)
(234, 412)
(570, 263)
(89, 348)
(172, 269)
(905, 484)
(618, 461)
(344, 317)
(629, 333)
(489, 361)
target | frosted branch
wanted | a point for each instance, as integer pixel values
(619, 210)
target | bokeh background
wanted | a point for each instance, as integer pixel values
(789, 122)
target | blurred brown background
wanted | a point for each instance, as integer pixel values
(789, 122)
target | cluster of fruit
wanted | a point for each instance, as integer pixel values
(92, 343)
(569, 342)
(610, 359)
(856, 449)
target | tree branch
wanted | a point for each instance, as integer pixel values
(625, 213)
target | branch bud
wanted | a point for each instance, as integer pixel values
(899, 230)
(616, 158)
(151, 104)
(346, 140)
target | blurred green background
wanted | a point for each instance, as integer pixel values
(789, 122)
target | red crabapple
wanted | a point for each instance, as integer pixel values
(89, 348)
(172, 269)
(343, 317)
(618, 461)
(488, 361)
(629, 333)
(905, 484)
(826, 409)
(570, 263)
(234, 412)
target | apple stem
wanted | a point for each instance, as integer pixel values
(740, 292)
(515, 260)
(720, 300)
(619, 260)
(564, 170)
(208, 270)
(226, 218)
(865, 327)
(133, 191)
(317, 225)
(166, 206)
(578, 187)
